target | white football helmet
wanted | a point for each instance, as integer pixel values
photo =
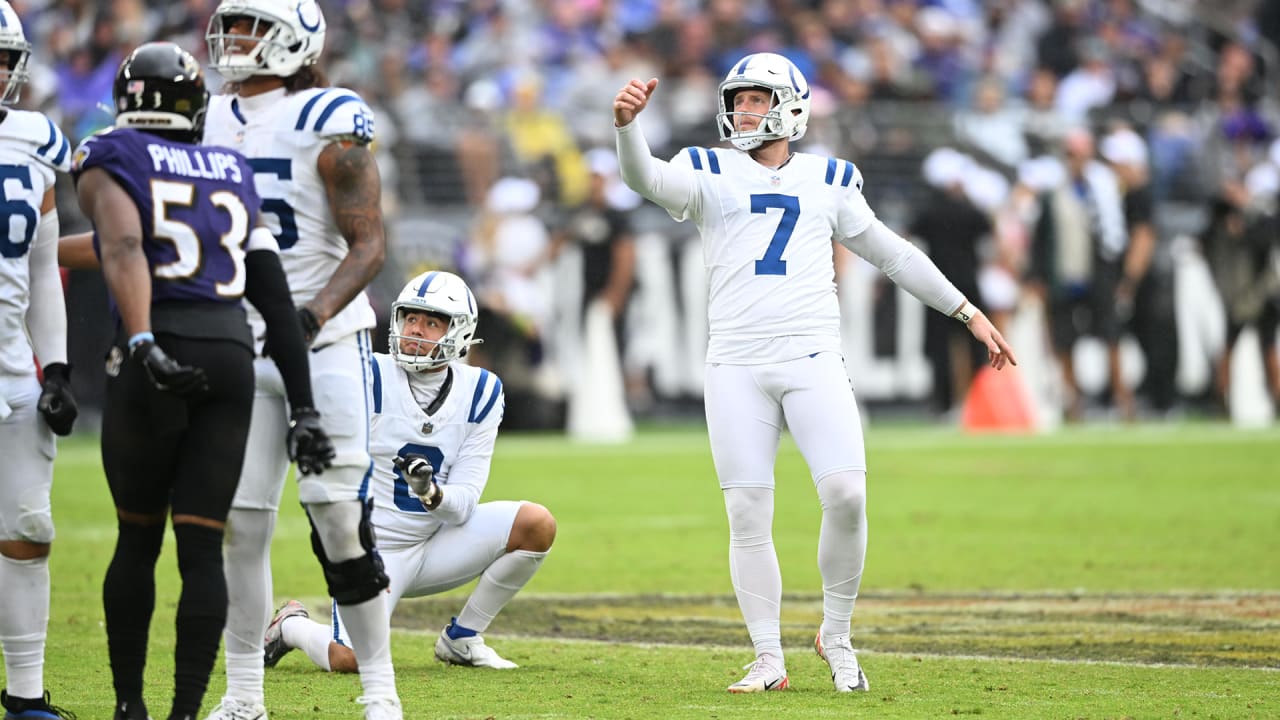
(13, 40)
(287, 36)
(442, 293)
(788, 115)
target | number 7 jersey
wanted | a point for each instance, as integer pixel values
(283, 135)
(767, 248)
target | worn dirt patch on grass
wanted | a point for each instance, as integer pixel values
(1234, 630)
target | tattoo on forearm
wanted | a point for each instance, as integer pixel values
(354, 190)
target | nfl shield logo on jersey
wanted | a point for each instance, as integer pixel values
(428, 428)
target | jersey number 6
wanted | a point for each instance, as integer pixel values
(772, 262)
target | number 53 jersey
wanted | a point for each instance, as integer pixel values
(767, 245)
(283, 135)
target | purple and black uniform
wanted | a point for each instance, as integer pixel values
(197, 205)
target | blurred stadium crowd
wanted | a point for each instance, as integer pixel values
(1102, 174)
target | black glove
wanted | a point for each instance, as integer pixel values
(420, 476)
(309, 445)
(57, 404)
(168, 374)
(310, 325)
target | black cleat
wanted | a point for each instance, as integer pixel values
(32, 709)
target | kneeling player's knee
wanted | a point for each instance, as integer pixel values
(534, 529)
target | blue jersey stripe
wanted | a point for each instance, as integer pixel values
(831, 171)
(337, 103)
(848, 174)
(475, 399)
(62, 152)
(695, 158)
(306, 110)
(713, 162)
(377, 387)
(53, 138)
(497, 390)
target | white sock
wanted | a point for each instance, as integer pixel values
(369, 626)
(753, 566)
(310, 637)
(247, 565)
(24, 595)
(842, 546)
(498, 584)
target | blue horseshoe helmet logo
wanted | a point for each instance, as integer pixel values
(312, 26)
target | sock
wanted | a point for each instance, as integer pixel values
(128, 601)
(24, 595)
(202, 613)
(498, 584)
(248, 570)
(369, 626)
(842, 546)
(310, 637)
(455, 631)
(753, 566)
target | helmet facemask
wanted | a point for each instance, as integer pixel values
(13, 41)
(277, 46)
(788, 113)
(445, 296)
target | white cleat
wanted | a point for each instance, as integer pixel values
(235, 709)
(840, 656)
(381, 708)
(766, 673)
(469, 651)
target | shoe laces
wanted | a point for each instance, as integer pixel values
(237, 709)
(760, 668)
(380, 707)
(840, 654)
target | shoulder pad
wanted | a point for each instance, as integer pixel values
(336, 112)
(843, 173)
(47, 143)
(485, 396)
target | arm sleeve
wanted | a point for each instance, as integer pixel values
(470, 471)
(906, 265)
(666, 184)
(47, 314)
(266, 287)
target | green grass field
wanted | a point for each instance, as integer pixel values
(1103, 572)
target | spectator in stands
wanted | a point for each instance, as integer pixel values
(993, 126)
(1076, 257)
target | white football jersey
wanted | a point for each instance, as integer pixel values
(282, 135)
(31, 149)
(766, 238)
(458, 440)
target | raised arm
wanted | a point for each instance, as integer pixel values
(665, 184)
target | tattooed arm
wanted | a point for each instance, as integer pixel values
(354, 190)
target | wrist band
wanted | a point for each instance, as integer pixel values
(966, 312)
(141, 338)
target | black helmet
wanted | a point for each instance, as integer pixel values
(160, 89)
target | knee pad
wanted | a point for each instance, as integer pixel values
(359, 579)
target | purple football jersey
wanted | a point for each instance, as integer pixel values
(197, 205)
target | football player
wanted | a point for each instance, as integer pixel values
(321, 193)
(432, 436)
(767, 216)
(176, 230)
(32, 317)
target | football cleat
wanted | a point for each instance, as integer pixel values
(32, 709)
(840, 656)
(469, 651)
(273, 645)
(381, 708)
(235, 709)
(766, 673)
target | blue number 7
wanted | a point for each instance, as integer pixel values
(772, 262)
